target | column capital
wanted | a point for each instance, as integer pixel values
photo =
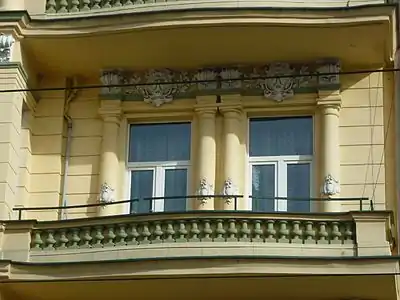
(329, 98)
(110, 111)
(204, 111)
(110, 116)
(231, 111)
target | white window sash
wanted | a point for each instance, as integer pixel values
(280, 163)
(158, 169)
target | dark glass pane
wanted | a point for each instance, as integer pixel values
(281, 136)
(159, 142)
(263, 188)
(175, 186)
(298, 186)
(141, 187)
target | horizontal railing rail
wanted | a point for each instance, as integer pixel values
(361, 201)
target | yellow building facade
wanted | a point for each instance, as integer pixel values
(202, 149)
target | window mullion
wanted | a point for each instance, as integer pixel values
(281, 182)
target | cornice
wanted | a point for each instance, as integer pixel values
(24, 26)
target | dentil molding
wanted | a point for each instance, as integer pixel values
(277, 81)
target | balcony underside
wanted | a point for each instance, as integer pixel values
(232, 278)
(182, 40)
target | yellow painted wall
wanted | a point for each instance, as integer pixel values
(363, 123)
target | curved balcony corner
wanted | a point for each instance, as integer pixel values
(199, 234)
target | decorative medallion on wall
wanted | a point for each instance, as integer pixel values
(331, 186)
(6, 43)
(277, 81)
(230, 189)
(205, 190)
(106, 193)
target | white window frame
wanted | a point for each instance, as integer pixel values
(158, 168)
(280, 162)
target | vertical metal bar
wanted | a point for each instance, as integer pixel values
(235, 206)
(361, 204)
(20, 214)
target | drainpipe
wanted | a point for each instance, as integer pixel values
(70, 94)
(397, 120)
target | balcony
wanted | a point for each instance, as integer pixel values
(83, 8)
(199, 233)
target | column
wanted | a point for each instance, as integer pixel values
(206, 155)
(110, 112)
(329, 105)
(232, 167)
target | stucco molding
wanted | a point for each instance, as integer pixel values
(331, 186)
(277, 81)
(107, 193)
(229, 189)
(205, 190)
(6, 43)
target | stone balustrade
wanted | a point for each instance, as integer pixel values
(200, 233)
(66, 7)
(214, 230)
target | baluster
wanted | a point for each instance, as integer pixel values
(133, 235)
(336, 234)
(128, 2)
(74, 6)
(309, 233)
(86, 5)
(87, 238)
(109, 236)
(157, 233)
(348, 234)
(283, 232)
(63, 240)
(107, 4)
(323, 234)
(232, 230)
(145, 234)
(51, 7)
(170, 232)
(271, 232)
(75, 239)
(117, 3)
(220, 231)
(50, 241)
(296, 233)
(122, 235)
(182, 237)
(194, 231)
(63, 6)
(207, 231)
(258, 232)
(96, 4)
(245, 231)
(98, 237)
(37, 241)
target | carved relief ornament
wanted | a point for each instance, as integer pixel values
(6, 43)
(230, 189)
(277, 81)
(331, 186)
(205, 190)
(106, 193)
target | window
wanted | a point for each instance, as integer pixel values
(280, 158)
(158, 163)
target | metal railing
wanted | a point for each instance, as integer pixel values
(233, 198)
